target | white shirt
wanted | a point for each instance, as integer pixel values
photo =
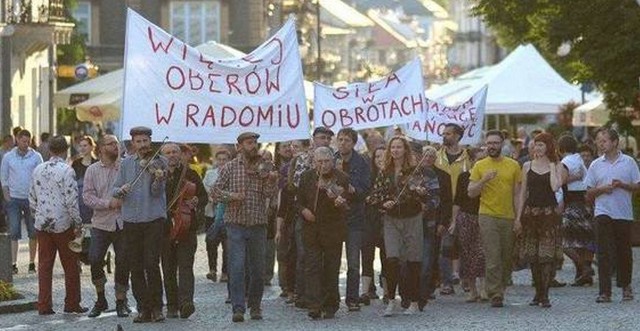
(617, 204)
(575, 164)
(53, 196)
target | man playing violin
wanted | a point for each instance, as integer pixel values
(323, 202)
(140, 186)
(185, 195)
(245, 187)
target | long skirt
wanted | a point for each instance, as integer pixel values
(541, 240)
(471, 256)
(578, 227)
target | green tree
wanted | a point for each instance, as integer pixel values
(604, 36)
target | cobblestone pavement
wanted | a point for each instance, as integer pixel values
(573, 309)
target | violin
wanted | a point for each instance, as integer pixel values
(182, 216)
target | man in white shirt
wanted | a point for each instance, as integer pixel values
(16, 171)
(611, 180)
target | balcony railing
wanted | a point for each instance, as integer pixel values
(33, 11)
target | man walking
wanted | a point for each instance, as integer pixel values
(359, 171)
(245, 189)
(611, 180)
(106, 226)
(54, 198)
(496, 179)
(180, 241)
(141, 187)
(15, 172)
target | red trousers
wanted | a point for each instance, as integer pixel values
(48, 245)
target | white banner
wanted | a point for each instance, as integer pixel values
(469, 115)
(395, 99)
(188, 97)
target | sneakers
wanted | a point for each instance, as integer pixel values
(255, 313)
(122, 309)
(15, 269)
(98, 308)
(627, 293)
(77, 310)
(391, 306)
(32, 268)
(496, 302)
(412, 310)
(238, 317)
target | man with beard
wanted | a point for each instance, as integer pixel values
(496, 179)
(353, 164)
(322, 198)
(179, 246)
(106, 226)
(140, 186)
(245, 186)
(454, 160)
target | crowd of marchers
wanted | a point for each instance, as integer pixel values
(442, 216)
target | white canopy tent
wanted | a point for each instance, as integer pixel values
(522, 83)
(593, 113)
(103, 94)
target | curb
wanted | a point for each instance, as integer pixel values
(27, 302)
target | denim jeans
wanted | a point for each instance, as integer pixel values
(17, 210)
(215, 236)
(270, 260)
(247, 247)
(353, 245)
(100, 242)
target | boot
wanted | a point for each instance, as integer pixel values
(366, 283)
(537, 283)
(546, 276)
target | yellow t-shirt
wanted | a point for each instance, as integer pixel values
(496, 197)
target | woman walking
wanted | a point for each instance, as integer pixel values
(397, 192)
(537, 220)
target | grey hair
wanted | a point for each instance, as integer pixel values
(323, 151)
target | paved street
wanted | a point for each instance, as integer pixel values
(573, 309)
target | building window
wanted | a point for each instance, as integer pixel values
(195, 22)
(82, 14)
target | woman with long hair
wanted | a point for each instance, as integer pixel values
(577, 225)
(537, 221)
(397, 192)
(373, 237)
(86, 157)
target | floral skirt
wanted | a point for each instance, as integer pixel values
(541, 238)
(578, 226)
(471, 256)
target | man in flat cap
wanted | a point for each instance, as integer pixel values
(245, 189)
(143, 213)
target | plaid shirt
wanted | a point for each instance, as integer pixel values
(234, 178)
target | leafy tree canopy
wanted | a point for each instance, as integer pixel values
(604, 36)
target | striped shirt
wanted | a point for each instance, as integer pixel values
(54, 196)
(234, 178)
(98, 192)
